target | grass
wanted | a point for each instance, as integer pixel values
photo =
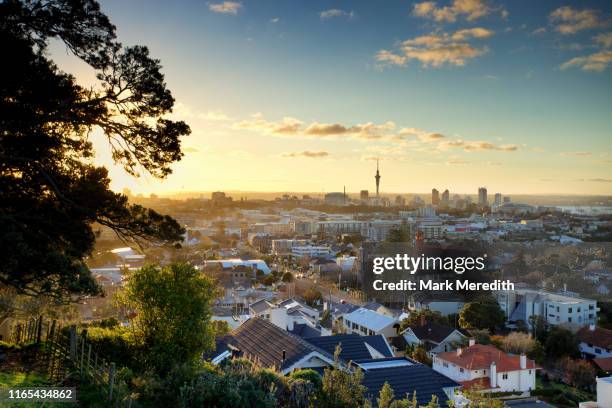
(21, 379)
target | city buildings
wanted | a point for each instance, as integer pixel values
(435, 197)
(483, 201)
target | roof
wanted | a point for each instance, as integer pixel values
(433, 332)
(304, 330)
(371, 320)
(258, 339)
(353, 347)
(407, 379)
(482, 383)
(603, 363)
(599, 337)
(260, 305)
(527, 403)
(480, 356)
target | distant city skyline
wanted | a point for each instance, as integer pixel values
(515, 96)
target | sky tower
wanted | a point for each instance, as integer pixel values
(377, 177)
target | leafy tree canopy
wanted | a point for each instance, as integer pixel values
(51, 193)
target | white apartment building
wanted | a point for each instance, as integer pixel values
(556, 309)
(310, 251)
(379, 230)
(337, 227)
(487, 368)
(284, 246)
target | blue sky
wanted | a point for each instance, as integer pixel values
(288, 95)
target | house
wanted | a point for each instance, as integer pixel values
(406, 377)
(556, 309)
(604, 395)
(366, 322)
(261, 308)
(435, 338)
(354, 347)
(269, 346)
(604, 364)
(594, 342)
(486, 368)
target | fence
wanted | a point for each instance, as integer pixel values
(62, 353)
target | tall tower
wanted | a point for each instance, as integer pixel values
(377, 177)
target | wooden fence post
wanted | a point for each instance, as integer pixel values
(39, 332)
(51, 331)
(89, 358)
(73, 342)
(111, 380)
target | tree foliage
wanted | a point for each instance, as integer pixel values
(50, 191)
(561, 342)
(171, 310)
(484, 314)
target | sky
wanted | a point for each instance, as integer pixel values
(305, 95)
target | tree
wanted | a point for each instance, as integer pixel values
(386, 396)
(312, 296)
(561, 342)
(517, 343)
(287, 277)
(172, 309)
(423, 316)
(481, 315)
(420, 354)
(51, 193)
(578, 373)
(342, 388)
(539, 327)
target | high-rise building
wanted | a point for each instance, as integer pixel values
(445, 198)
(482, 196)
(435, 197)
(498, 199)
(506, 200)
(377, 177)
(364, 195)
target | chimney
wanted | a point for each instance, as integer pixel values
(493, 375)
(592, 327)
(459, 351)
(284, 355)
(523, 361)
(472, 341)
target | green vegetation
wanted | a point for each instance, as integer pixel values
(485, 314)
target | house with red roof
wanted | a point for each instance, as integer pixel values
(486, 368)
(595, 342)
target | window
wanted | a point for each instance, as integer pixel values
(569, 319)
(445, 364)
(590, 315)
(569, 310)
(504, 376)
(597, 350)
(578, 310)
(461, 370)
(591, 307)
(529, 371)
(557, 308)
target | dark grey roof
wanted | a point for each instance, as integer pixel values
(433, 332)
(259, 340)
(405, 380)
(304, 330)
(353, 347)
(344, 308)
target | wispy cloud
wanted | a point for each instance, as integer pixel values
(226, 7)
(577, 154)
(597, 61)
(567, 20)
(438, 48)
(333, 13)
(306, 153)
(469, 9)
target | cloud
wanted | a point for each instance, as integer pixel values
(567, 20)
(576, 154)
(332, 13)
(601, 180)
(226, 7)
(539, 30)
(598, 61)
(306, 153)
(275, 20)
(457, 162)
(470, 9)
(476, 145)
(214, 115)
(363, 131)
(437, 49)
(286, 126)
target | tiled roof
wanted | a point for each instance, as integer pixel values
(599, 337)
(480, 356)
(483, 383)
(432, 332)
(603, 363)
(353, 347)
(405, 380)
(264, 342)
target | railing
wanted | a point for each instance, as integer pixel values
(63, 353)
